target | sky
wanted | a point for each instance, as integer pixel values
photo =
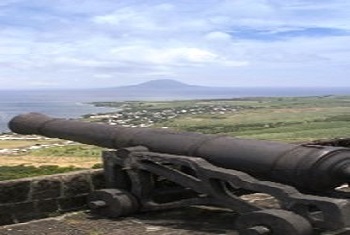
(233, 43)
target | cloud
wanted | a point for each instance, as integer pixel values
(187, 40)
(177, 56)
(218, 36)
(127, 17)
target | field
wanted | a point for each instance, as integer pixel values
(287, 119)
(280, 119)
(79, 155)
(53, 159)
(22, 143)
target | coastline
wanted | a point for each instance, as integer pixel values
(75, 110)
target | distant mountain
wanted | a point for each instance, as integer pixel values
(166, 89)
(161, 84)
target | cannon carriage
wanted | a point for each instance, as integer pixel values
(154, 169)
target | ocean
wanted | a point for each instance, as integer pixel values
(65, 104)
(75, 103)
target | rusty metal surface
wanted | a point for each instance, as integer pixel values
(136, 170)
(311, 168)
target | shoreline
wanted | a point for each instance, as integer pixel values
(76, 110)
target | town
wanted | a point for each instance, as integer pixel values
(138, 114)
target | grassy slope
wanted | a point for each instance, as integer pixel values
(51, 160)
(282, 119)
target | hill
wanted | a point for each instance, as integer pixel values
(165, 89)
(168, 89)
(161, 84)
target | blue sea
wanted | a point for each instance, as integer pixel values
(66, 104)
(75, 103)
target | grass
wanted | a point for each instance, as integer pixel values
(281, 119)
(51, 160)
(79, 155)
(23, 143)
(80, 150)
(288, 119)
(22, 171)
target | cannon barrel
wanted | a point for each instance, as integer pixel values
(307, 167)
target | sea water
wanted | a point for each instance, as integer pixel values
(65, 104)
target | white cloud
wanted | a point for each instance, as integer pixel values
(127, 17)
(142, 17)
(133, 38)
(167, 56)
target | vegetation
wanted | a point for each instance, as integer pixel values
(86, 151)
(281, 119)
(289, 119)
(22, 171)
(49, 160)
(23, 143)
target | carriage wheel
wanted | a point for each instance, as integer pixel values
(273, 222)
(112, 203)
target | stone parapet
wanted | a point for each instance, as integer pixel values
(39, 197)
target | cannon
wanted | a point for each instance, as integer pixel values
(148, 169)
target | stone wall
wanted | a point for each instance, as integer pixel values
(39, 197)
